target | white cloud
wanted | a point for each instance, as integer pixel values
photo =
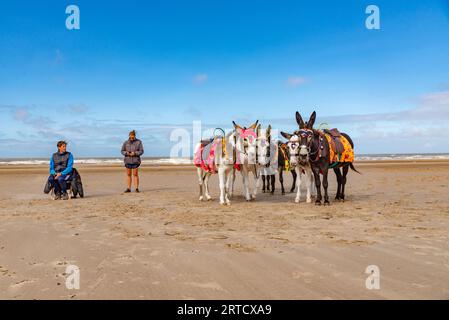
(296, 81)
(78, 108)
(200, 78)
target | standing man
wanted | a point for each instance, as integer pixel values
(132, 149)
(61, 165)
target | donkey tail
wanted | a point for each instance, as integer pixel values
(351, 165)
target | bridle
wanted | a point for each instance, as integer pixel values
(303, 134)
(309, 134)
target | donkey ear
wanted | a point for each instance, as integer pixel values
(258, 130)
(311, 120)
(254, 125)
(269, 130)
(299, 120)
(236, 126)
(286, 135)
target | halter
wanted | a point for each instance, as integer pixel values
(317, 151)
(247, 133)
(250, 134)
(305, 133)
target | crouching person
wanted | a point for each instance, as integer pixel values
(61, 166)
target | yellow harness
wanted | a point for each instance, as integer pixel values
(346, 156)
(286, 162)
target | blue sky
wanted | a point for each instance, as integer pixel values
(155, 66)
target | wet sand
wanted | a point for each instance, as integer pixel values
(165, 244)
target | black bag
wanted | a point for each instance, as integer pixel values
(48, 187)
(77, 184)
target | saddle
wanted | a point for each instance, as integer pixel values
(340, 149)
(335, 142)
(205, 142)
(205, 155)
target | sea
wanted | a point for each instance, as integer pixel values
(157, 161)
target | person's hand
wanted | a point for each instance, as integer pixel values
(57, 175)
(132, 154)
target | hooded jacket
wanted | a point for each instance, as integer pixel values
(135, 146)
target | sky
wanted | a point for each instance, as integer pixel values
(157, 66)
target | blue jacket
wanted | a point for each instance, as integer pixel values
(68, 168)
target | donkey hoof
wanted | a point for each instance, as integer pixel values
(318, 203)
(272, 192)
(201, 198)
(208, 198)
(327, 203)
(309, 201)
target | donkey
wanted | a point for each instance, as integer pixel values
(219, 152)
(245, 142)
(267, 163)
(299, 161)
(269, 151)
(283, 159)
(318, 151)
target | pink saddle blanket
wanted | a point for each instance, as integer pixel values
(204, 157)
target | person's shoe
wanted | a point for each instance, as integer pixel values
(137, 190)
(127, 190)
(65, 196)
(57, 196)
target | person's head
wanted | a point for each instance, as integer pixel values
(62, 146)
(132, 135)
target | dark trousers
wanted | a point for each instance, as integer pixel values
(60, 184)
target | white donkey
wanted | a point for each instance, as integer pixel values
(299, 161)
(267, 158)
(215, 156)
(246, 150)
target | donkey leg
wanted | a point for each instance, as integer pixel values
(281, 180)
(309, 182)
(325, 186)
(232, 182)
(312, 177)
(256, 185)
(222, 184)
(273, 183)
(298, 192)
(316, 174)
(295, 175)
(228, 184)
(245, 178)
(338, 175)
(206, 185)
(200, 182)
(268, 182)
(343, 182)
(263, 184)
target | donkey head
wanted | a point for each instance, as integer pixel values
(298, 146)
(246, 138)
(306, 125)
(264, 145)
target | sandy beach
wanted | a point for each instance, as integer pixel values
(165, 244)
